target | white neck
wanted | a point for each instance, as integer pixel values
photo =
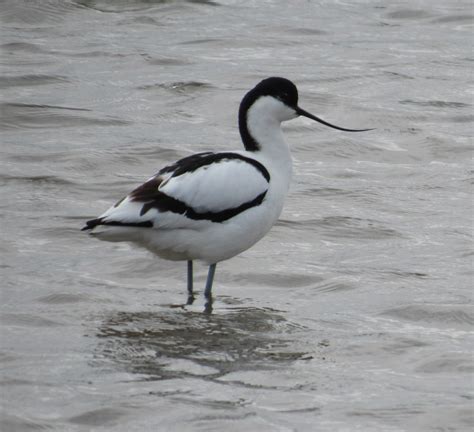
(264, 124)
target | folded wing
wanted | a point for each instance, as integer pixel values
(212, 187)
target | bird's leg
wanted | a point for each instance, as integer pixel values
(208, 290)
(190, 283)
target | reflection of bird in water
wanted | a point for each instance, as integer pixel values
(166, 344)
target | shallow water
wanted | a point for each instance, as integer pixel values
(354, 313)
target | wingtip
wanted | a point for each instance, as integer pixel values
(90, 224)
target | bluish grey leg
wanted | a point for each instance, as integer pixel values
(190, 283)
(208, 290)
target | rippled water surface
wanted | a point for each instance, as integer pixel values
(353, 314)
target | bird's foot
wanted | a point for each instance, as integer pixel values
(208, 306)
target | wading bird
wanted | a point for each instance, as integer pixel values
(212, 206)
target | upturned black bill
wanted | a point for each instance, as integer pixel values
(304, 113)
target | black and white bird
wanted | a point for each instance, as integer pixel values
(212, 206)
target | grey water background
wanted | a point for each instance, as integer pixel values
(353, 314)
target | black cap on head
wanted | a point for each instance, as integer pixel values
(280, 88)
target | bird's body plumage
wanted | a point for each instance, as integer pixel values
(208, 207)
(213, 206)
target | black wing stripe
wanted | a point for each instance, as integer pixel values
(165, 203)
(194, 162)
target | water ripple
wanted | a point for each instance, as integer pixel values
(345, 227)
(29, 80)
(27, 320)
(179, 87)
(435, 104)
(17, 116)
(459, 316)
(37, 180)
(63, 298)
(98, 417)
